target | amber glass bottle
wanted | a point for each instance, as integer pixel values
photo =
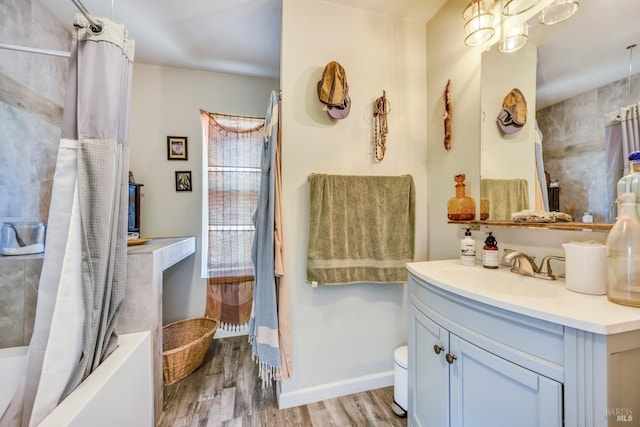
(461, 207)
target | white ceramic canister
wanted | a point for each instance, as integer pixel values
(586, 267)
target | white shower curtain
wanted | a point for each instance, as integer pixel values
(83, 275)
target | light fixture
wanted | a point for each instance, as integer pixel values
(478, 22)
(516, 7)
(514, 39)
(558, 11)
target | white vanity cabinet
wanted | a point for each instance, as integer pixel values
(468, 386)
(485, 357)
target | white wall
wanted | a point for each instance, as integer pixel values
(508, 156)
(166, 102)
(344, 336)
(449, 58)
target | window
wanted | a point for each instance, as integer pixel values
(233, 152)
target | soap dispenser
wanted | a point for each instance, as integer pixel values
(490, 257)
(468, 249)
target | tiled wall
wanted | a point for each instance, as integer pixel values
(31, 103)
(19, 278)
(574, 146)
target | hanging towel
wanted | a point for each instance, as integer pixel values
(506, 196)
(267, 315)
(361, 228)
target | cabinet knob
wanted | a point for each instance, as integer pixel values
(438, 348)
(450, 358)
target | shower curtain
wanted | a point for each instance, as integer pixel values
(269, 325)
(622, 136)
(83, 275)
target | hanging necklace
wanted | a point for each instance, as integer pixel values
(381, 108)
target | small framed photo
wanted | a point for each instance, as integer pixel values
(177, 148)
(183, 181)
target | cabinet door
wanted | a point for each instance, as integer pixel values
(487, 390)
(428, 373)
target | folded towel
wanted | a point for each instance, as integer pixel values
(505, 196)
(361, 228)
(540, 216)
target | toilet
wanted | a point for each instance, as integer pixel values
(400, 382)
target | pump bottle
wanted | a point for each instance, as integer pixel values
(468, 249)
(490, 257)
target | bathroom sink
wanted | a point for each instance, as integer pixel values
(499, 281)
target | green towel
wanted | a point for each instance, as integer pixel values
(361, 228)
(505, 197)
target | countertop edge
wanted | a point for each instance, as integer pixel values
(629, 322)
(171, 250)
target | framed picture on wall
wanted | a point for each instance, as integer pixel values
(183, 181)
(177, 147)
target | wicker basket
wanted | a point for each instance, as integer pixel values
(184, 345)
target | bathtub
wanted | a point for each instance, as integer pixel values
(118, 393)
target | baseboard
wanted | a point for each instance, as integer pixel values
(334, 389)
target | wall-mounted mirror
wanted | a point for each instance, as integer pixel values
(574, 75)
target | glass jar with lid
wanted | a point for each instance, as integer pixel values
(587, 217)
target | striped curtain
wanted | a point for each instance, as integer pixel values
(233, 161)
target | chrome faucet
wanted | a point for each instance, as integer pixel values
(525, 265)
(521, 263)
(545, 267)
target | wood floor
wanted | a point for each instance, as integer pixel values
(225, 391)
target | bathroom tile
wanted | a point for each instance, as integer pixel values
(143, 292)
(13, 179)
(551, 123)
(574, 146)
(53, 70)
(582, 119)
(15, 31)
(11, 302)
(32, 270)
(31, 112)
(616, 94)
(42, 169)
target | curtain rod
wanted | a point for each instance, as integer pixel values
(60, 53)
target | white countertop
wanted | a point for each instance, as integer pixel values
(170, 249)
(539, 298)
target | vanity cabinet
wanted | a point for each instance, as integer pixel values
(517, 351)
(457, 383)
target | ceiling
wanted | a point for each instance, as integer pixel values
(229, 36)
(587, 50)
(243, 36)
